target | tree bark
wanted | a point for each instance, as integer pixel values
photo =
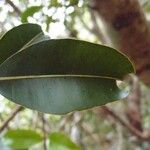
(129, 31)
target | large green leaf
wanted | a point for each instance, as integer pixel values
(62, 75)
(22, 139)
(59, 141)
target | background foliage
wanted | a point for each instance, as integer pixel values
(92, 129)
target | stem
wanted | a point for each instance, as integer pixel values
(44, 131)
(13, 114)
(16, 9)
(144, 136)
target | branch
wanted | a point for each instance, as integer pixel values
(134, 104)
(44, 130)
(96, 29)
(14, 113)
(144, 136)
(86, 128)
(85, 25)
(16, 9)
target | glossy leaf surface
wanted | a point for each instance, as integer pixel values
(63, 75)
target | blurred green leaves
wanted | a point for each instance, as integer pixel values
(73, 2)
(21, 139)
(30, 11)
(146, 6)
(55, 3)
(59, 141)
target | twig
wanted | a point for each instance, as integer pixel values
(144, 136)
(44, 131)
(14, 113)
(96, 29)
(91, 30)
(74, 132)
(119, 145)
(16, 9)
(134, 104)
(86, 128)
(85, 25)
(68, 118)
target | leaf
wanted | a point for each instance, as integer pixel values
(22, 139)
(62, 75)
(18, 37)
(30, 11)
(59, 141)
(146, 6)
(73, 2)
(49, 19)
(55, 3)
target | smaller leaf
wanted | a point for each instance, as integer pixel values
(146, 6)
(22, 139)
(30, 11)
(59, 141)
(74, 2)
(55, 3)
(49, 19)
(23, 34)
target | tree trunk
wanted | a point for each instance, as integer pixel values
(129, 31)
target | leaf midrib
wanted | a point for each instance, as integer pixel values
(32, 43)
(55, 76)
